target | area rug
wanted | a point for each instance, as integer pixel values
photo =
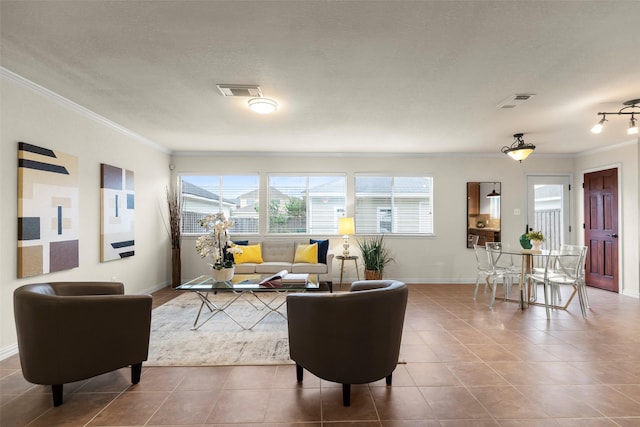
(220, 341)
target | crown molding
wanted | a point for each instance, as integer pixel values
(85, 112)
(608, 148)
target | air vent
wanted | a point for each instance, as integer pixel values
(515, 100)
(253, 91)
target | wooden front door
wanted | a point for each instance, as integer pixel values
(601, 228)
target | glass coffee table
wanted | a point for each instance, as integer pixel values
(242, 286)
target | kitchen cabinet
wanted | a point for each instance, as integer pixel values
(473, 198)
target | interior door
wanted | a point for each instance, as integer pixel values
(549, 208)
(601, 228)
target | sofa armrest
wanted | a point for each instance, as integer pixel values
(330, 256)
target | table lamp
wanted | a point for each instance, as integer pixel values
(346, 227)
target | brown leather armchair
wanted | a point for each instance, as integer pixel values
(349, 337)
(70, 331)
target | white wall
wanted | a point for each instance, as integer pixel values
(30, 114)
(625, 157)
(439, 259)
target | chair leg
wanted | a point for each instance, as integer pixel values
(546, 298)
(346, 394)
(299, 371)
(136, 371)
(475, 291)
(494, 285)
(56, 389)
(583, 303)
(389, 379)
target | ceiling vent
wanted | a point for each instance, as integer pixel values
(514, 100)
(252, 91)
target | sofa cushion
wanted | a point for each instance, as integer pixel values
(272, 267)
(306, 253)
(246, 268)
(303, 267)
(323, 248)
(278, 250)
(250, 253)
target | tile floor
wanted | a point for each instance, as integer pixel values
(465, 366)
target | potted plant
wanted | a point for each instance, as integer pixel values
(375, 256)
(536, 237)
(216, 243)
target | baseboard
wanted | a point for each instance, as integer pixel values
(8, 351)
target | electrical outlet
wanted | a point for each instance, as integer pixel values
(516, 211)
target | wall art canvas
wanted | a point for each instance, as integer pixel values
(117, 235)
(48, 211)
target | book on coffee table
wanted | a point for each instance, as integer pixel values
(283, 278)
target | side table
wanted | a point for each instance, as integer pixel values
(342, 259)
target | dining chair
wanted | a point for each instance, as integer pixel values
(503, 266)
(578, 249)
(485, 270)
(563, 267)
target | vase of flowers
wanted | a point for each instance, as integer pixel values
(216, 244)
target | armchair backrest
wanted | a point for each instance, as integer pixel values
(349, 337)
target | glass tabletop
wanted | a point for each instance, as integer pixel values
(244, 282)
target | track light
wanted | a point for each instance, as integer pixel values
(633, 127)
(519, 150)
(597, 128)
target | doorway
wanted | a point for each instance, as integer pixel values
(601, 228)
(549, 208)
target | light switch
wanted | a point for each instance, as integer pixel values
(516, 211)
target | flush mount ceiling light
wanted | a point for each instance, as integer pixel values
(633, 126)
(263, 105)
(519, 150)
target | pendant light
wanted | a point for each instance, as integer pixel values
(493, 194)
(518, 150)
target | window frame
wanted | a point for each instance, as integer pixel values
(309, 212)
(426, 198)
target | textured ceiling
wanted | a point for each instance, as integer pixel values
(377, 77)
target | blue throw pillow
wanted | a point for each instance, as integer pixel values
(228, 256)
(323, 247)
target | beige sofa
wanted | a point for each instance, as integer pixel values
(279, 255)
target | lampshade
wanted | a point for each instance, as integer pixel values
(263, 105)
(520, 154)
(346, 226)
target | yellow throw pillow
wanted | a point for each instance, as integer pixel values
(306, 253)
(250, 253)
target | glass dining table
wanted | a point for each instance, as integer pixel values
(529, 258)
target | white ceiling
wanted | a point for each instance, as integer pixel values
(368, 76)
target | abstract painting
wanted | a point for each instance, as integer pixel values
(48, 211)
(117, 235)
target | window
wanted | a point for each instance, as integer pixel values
(394, 204)
(305, 204)
(237, 196)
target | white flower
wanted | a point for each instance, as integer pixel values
(216, 241)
